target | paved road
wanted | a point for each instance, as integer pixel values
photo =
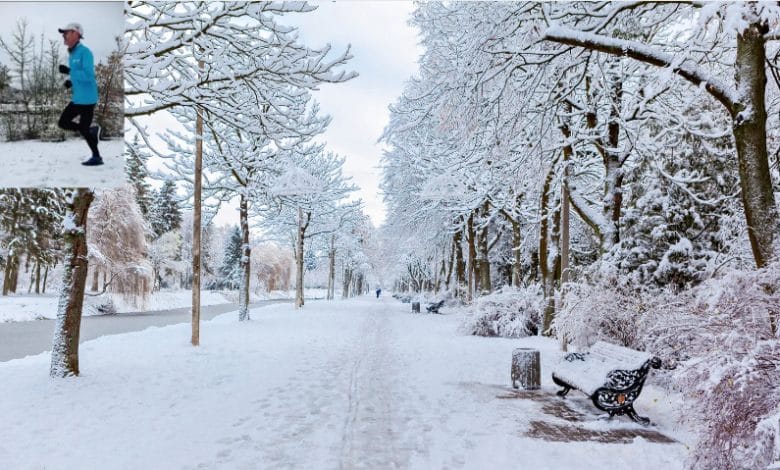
(20, 339)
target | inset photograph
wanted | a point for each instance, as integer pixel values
(61, 94)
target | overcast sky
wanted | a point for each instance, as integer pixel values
(385, 55)
(101, 21)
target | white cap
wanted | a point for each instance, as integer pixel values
(72, 27)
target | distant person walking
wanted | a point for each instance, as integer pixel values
(378, 291)
(84, 92)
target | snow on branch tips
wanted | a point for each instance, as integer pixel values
(295, 181)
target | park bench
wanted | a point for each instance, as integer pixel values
(612, 376)
(434, 308)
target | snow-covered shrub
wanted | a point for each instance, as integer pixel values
(103, 305)
(730, 365)
(509, 312)
(52, 133)
(600, 312)
(736, 408)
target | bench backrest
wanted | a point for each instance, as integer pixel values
(623, 358)
(592, 373)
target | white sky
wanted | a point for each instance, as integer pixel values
(385, 53)
(102, 22)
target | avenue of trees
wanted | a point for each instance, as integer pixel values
(610, 164)
(239, 83)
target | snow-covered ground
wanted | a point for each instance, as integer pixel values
(341, 384)
(31, 163)
(27, 307)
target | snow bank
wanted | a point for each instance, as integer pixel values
(38, 307)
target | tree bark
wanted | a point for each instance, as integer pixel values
(246, 252)
(460, 267)
(331, 267)
(95, 279)
(472, 265)
(544, 267)
(346, 283)
(485, 286)
(302, 226)
(9, 273)
(45, 278)
(196, 225)
(749, 121)
(38, 277)
(568, 152)
(65, 347)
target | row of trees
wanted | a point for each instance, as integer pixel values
(239, 83)
(607, 111)
(621, 159)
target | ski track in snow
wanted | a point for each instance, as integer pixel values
(31, 163)
(358, 384)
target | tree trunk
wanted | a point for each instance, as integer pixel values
(95, 278)
(568, 152)
(243, 297)
(472, 257)
(359, 284)
(613, 184)
(38, 277)
(484, 263)
(299, 259)
(45, 278)
(8, 275)
(460, 267)
(65, 348)
(346, 283)
(517, 241)
(749, 121)
(544, 266)
(449, 269)
(196, 225)
(331, 267)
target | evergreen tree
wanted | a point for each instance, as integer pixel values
(165, 213)
(676, 220)
(30, 220)
(5, 78)
(231, 261)
(135, 168)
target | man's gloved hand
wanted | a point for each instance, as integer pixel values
(64, 69)
(68, 84)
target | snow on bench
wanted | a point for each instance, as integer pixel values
(612, 376)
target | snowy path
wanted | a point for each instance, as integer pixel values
(30, 163)
(337, 385)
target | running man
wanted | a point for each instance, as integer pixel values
(84, 92)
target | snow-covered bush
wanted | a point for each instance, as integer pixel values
(722, 333)
(510, 312)
(52, 133)
(719, 337)
(600, 312)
